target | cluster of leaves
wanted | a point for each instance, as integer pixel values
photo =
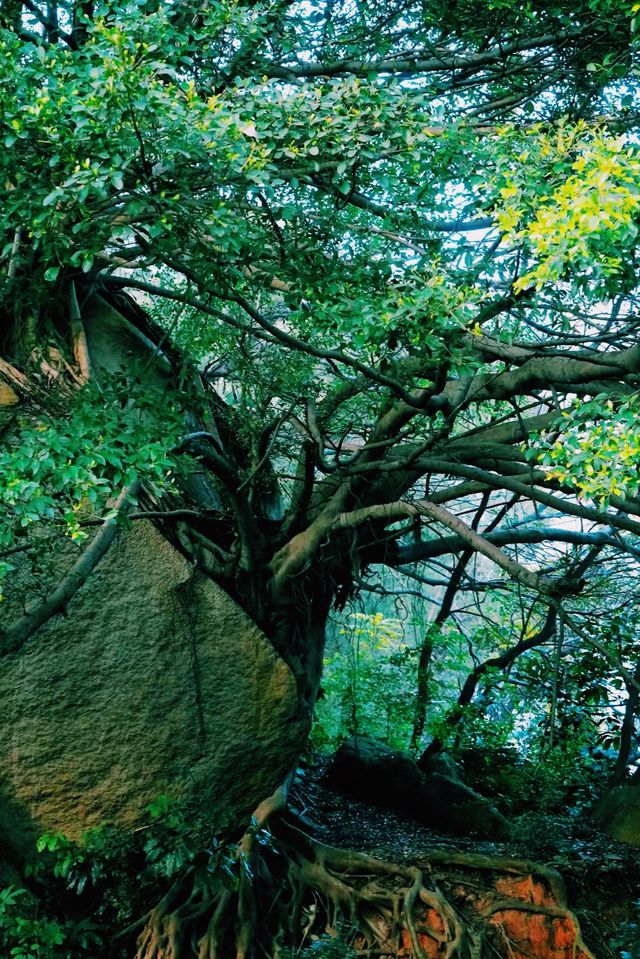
(370, 678)
(23, 934)
(571, 196)
(368, 684)
(113, 141)
(510, 734)
(63, 471)
(594, 449)
(119, 146)
(503, 761)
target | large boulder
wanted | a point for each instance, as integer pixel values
(155, 683)
(618, 813)
(371, 771)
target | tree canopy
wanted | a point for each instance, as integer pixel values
(399, 244)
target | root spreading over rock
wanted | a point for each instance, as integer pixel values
(279, 890)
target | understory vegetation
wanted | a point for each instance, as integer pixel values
(552, 718)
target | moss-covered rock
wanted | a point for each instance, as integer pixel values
(618, 813)
(372, 771)
(155, 682)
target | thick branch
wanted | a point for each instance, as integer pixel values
(528, 491)
(399, 510)
(419, 63)
(418, 552)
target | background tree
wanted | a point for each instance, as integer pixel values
(379, 267)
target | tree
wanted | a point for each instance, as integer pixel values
(379, 259)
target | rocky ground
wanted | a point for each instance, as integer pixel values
(602, 876)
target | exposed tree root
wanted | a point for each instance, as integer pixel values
(280, 890)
